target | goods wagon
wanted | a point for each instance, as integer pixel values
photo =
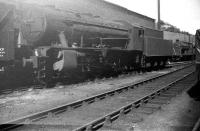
(7, 34)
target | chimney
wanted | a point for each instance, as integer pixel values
(158, 15)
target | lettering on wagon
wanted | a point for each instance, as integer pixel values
(2, 52)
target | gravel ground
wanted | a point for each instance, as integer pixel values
(180, 115)
(19, 104)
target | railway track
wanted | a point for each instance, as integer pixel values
(135, 113)
(25, 88)
(121, 95)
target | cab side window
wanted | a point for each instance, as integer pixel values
(141, 33)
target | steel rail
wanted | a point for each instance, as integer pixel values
(107, 119)
(44, 114)
(179, 63)
(196, 126)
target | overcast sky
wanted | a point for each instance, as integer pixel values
(185, 14)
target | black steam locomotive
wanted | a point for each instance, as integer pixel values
(45, 45)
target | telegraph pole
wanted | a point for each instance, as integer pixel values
(158, 15)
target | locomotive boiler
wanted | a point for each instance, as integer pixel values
(44, 44)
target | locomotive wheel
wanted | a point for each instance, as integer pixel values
(143, 64)
(152, 65)
(49, 81)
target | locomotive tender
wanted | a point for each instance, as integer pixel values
(45, 44)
